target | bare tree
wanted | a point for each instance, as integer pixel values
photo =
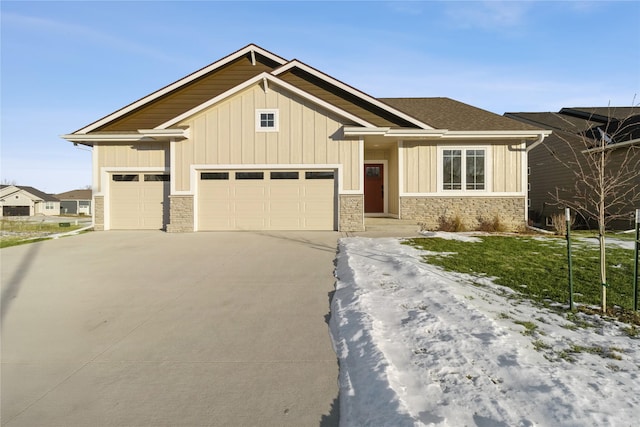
(604, 160)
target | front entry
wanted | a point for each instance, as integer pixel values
(374, 188)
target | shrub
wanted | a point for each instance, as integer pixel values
(494, 225)
(452, 224)
(559, 223)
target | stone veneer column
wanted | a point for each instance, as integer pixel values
(98, 213)
(351, 212)
(429, 210)
(180, 214)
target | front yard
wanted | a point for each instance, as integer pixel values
(477, 332)
(15, 231)
(536, 267)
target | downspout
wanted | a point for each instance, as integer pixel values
(535, 143)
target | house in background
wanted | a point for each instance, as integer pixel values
(258, 142)
(578, 130)
(19, 200)
(75, 202)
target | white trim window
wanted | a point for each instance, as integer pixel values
(464, 169)
(267, 120)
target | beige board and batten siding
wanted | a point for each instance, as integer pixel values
(128, 157)
(507, 167)
(421, 165)
(225, 134)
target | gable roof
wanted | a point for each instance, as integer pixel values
(75, 195)
(34, 192)
(446, 113)
(151, 117)
(188, 92)
(210, 82)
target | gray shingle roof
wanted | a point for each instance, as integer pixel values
(446, 113)
(44, 196)
(75, 195)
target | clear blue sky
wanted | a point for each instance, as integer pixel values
(66, 64)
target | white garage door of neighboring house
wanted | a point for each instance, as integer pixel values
(266, 200)
(139, 201)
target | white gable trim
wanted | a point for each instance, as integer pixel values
(257, 79)
(191, 77)
(12, 190)
(297, 64)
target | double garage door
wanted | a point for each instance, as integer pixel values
(266, 200)
(16, 210)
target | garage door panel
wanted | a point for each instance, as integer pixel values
(245, 191)
(288, 202)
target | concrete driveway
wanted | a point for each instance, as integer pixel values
(157, 329)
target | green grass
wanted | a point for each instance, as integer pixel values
(21, 232)
(529, 327)
(537, 268)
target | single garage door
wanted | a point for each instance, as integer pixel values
(267, 200)
(139, 201)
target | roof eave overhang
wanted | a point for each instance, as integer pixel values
(142, 135)
(441, 133)
(497, 134)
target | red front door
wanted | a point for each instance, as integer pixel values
(373, 188)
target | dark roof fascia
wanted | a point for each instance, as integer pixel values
(585, 114)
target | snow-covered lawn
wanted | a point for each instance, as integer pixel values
(420, 346)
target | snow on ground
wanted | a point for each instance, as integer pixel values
(419, 346)
(463, 237)
(611, 242)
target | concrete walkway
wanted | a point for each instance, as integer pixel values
(157, 329)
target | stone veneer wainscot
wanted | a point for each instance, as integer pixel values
(181, 214)
(98, 213)
(351, 213)
(429, 210)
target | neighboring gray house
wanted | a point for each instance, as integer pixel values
(579, 129)
(75, 202)
(19, 200)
